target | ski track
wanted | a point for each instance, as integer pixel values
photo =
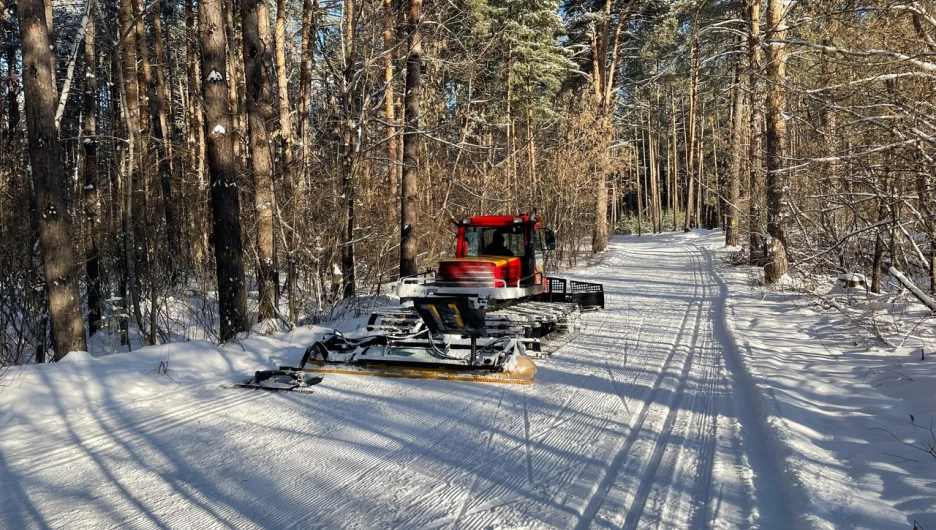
(645, 420)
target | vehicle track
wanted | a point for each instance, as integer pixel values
(606, 477)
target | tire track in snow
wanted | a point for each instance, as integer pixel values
(648, 475)
(684, 463)
(556, 448)
(604, 478)
(526, 439)
(546, 473)
(778, 492)
(708, 430)
(474, 481)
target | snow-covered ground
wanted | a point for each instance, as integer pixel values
(695, 400)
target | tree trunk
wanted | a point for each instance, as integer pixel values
(389, 38)
(732, 230)
(637, 165)
(691, 144)
(233, 57)
(652, 190)
(225, 205)
(309, 31)
(672, 164)
(162, 133)
(755, 187)
(258, 63)
(776, 143)
(89, 171)
(877, 264)
(133, 185)
(600, 232)
(292, 176)
(14, 127)
(411, 139)
(286, 128)
(195, 139)
(50, 180)
(349, 146)
(144, 225)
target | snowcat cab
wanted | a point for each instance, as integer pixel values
(497, 259)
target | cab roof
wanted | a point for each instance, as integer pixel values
(492, 220)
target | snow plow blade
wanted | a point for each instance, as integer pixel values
(420, 356)
(522, 374)
(284, 379)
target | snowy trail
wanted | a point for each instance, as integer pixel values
(646, 420)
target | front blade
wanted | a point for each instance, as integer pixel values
(521, 372)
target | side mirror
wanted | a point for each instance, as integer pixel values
(550, 238)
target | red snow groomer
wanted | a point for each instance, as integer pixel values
(475, 318)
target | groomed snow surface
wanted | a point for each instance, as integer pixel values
(695, 400)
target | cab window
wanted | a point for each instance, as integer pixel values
(481, 241)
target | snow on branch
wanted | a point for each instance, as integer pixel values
(923, 65)
(872, 79)
(841, 158)
(921, 296)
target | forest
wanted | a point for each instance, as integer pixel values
(254, 162)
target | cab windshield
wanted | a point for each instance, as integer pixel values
(494, 241)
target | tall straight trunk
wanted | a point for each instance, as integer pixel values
(144, 222)
(134, 190)
(672, 166)
(309, 30)
(700, 169)
(600, 232)
(162, 133)
(349, 146)
(756, 185)
(654, 176)
(258, 63)
(14, 127)
(409, 197)
(91, 182)
(732, 230)
(600, 228)
(225, 204)
(3, 30)
(776, 143)
(531, 154)
(877, 265)
(195, 139)
(718, 211)
(292, 175)
(286, 128)
(143, 228)
(640, 201)
(50, 180)
(349, 142)
(389, 42)
(237, 116)
(691, 144)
